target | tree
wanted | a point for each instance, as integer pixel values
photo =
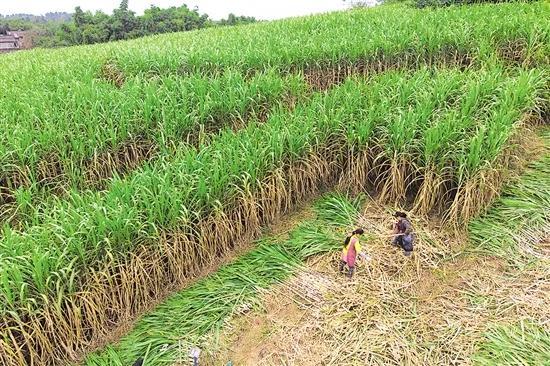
(78, 17)
(124, 21)
(232, 19)
(86, 27)
(362, 3)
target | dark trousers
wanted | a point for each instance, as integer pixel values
(405, 243)
(342, 266)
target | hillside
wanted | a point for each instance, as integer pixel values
(130, 167)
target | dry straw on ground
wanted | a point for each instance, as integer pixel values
(432, 309)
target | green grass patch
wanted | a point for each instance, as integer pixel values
(524, 344)
(521, 213)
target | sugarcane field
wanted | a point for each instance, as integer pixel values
(363, 186)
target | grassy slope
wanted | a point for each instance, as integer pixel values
(363, 34)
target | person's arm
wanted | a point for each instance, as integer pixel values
(408, 227)
(357, 246)
(360, 252)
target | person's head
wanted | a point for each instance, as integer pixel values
(358, 231)
(400, 214)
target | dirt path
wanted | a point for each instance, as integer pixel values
(431, 309)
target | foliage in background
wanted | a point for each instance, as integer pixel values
(16, 22)
(63, 29)
(437, 3)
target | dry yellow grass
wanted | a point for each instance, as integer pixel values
(431, 309)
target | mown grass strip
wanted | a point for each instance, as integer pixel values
(524, 343)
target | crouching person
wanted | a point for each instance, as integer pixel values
(403, 235)
(350, 251)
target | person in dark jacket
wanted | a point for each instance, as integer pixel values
(403, 235)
